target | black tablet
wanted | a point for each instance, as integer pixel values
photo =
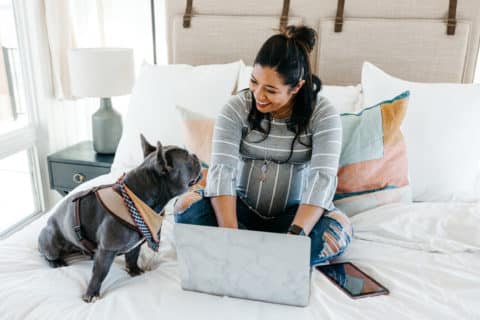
(353, 281)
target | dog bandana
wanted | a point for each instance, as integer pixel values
(131, 209)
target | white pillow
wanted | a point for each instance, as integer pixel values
(157, 91)
(442, 132)
(345, 98)
(244, 74)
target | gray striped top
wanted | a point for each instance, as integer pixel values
(243, 165)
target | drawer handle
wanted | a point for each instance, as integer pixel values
(78, 178)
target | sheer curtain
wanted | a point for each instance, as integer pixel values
(69, 24)
(82, 24)
(476, 78)
(91, 23)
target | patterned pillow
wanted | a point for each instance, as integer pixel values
(373, 164)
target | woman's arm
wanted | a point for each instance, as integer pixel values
(322, 178)
(225, 210)
(222, 174)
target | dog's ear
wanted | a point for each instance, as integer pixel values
(162, 161)
(146, 147)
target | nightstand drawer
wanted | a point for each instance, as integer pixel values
(76, 164)
(68, 176)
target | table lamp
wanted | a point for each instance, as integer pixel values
(102, 73)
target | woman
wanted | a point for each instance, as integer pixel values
(275, 154)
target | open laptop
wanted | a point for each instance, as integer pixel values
(255, 265)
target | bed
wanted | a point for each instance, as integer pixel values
(426, 252)
(430, 275)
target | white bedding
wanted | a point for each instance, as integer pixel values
(427, 254)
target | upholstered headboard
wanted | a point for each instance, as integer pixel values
(427, 40)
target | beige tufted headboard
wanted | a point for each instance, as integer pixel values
(407, 38)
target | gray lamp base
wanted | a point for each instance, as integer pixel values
(106, 128)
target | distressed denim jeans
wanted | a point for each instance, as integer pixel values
(329, 237)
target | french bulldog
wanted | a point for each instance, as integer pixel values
(164, 173)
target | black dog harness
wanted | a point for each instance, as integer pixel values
(134, 214)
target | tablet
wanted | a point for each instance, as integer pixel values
(351, 280)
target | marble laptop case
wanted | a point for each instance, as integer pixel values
(246, 264)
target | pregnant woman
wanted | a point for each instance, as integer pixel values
(275, 156)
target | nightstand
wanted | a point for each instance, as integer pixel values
(74, 165)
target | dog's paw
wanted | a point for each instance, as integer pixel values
(90, 299)
(135, 271)
(57, 263)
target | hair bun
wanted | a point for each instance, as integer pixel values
(307, 36)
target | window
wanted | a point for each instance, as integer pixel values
(19, 175)
(17, 188)
(12, 96)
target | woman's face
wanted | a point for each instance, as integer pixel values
(271, 93)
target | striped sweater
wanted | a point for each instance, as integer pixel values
(254, 170)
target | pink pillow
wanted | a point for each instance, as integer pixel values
(197, 133)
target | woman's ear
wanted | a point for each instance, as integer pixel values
(298, 86)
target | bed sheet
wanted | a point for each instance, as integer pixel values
(427, 254)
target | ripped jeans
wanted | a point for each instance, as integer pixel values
(329, 237)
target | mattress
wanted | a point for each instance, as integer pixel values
(426, 254)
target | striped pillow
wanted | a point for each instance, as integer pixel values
(373, 163)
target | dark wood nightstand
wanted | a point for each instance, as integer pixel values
(74, 165)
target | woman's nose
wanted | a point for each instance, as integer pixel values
(259, 94)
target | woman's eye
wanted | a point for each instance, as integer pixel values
(254, 82)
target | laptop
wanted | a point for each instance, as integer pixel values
(247, 264)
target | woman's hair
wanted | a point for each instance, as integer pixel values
(288, 54)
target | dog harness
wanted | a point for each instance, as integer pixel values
(128, 208)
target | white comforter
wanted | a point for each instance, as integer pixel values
(427, 254)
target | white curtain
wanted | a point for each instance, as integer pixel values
(71, 24)
(93, 23)
(65, 24)
(99, 23)
(476, 78)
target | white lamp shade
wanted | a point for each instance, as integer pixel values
(101, 72)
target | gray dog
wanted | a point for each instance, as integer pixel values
(86, 223)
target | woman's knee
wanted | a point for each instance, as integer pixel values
(331, 236)
(341, 224)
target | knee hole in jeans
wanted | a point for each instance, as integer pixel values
(335, 240)
(185, 201)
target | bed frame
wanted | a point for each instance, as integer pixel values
(426, 41)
